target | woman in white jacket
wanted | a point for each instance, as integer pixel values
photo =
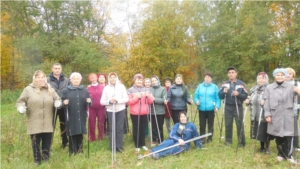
(115, 97)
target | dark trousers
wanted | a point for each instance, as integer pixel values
(126, 125)
(36, 141)
(119, 125)
(175, 115)
(207, 116)
(138, 136)
(156, 132)
(230, 114)
(62, 125)
(284, 146)
(76, 144)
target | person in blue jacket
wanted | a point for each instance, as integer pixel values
(208, 102)
(181, 132)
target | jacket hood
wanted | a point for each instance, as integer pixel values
(117, 78)
(154, 76)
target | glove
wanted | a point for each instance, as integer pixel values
(199, 145)
(57, 103)
(21, 109)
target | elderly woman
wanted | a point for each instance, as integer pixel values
(76, 99)
(291, 79)
(157, 111)
(179, 96)
(139, 100)
(97, 111)
(255, 99)
(37, 101)
(115, 97)
(181, 132)
(279, 113)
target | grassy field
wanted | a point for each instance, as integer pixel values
(16, 151)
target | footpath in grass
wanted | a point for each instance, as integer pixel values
(16, 151)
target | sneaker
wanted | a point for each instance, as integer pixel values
(153, 144)
(145, 148)
(137, 150)
(279, 158)
(154, 156)
(292, 160)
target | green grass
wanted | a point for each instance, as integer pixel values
(16, 151)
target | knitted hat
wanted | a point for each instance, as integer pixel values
(138, 75)
(282, 70)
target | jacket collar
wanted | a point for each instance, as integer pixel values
(73, 88)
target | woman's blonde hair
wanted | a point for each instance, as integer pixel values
(291, 70)
(37, 87)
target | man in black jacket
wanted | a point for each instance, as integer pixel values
(234, 92)
(58, 82)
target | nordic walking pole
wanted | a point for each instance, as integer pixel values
(242, 127)
(257, 132)
(224, 102)
(138, 127)
(217, 116)
(168, 110)
(149, 119)
(88, 114)
(54, 124)
(192, 111)
(113, 137)
(175, 145)
(156, 123)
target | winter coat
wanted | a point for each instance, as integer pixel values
(256, 95)
(279, 105)
(118, 91)
(96, 93)
(159, 94)
(178, 98)
(58, 85)
(76, 110)
(40, 107)
(239, 86)
(207, 96)
(138, 106)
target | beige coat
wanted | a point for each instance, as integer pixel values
(279, 105)
(39, 109)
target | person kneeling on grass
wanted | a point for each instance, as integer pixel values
(181, 132)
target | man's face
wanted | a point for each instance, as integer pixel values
(56, 70)
(232, 74)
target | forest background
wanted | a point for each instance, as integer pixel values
(164, 38)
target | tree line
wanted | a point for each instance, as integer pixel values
(165, 38)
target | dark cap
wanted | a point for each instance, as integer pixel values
(231, 68)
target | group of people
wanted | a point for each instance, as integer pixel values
(274, 111)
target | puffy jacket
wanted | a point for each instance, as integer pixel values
(207, 96)
(138, 106)
(178, 98)
(239, 86)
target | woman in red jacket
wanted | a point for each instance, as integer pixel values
(139, 100)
